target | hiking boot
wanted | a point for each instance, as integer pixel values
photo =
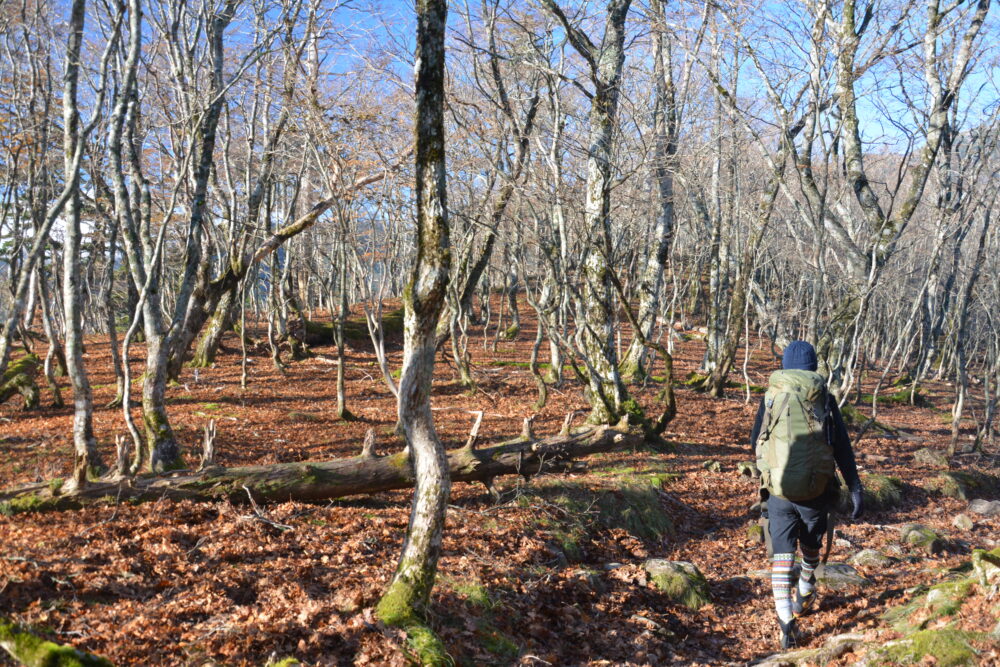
(802, 603)
(789, 634)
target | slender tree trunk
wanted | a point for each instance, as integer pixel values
(84, 445)
(109, 281)
(606, 392)
(182, 329)
(405, 601)
(55, 351)
(665, 123)
(341, 301)
(962, 317)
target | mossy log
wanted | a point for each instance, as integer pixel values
(312, 332)
(32, 651)
(326, 480)
(19, 378)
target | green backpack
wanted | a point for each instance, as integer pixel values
(794, 454)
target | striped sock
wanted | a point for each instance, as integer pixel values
(781, 585)
(810, 559)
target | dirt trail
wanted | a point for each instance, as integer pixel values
(522, 583)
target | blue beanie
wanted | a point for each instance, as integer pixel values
(799, 355)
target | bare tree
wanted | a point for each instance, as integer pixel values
(405, 601)
(607, 393)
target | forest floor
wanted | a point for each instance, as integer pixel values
(538, 579)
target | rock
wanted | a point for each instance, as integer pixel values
(832, 648)
(840, 577)
(870, 558)
(560, 560)
(876, 458)
(930, 457)
(919, 535)
(881, 492)
(755, 533)
(985, 507)
(960, 484)
(712, 465)
(748, 469)
(589, 579)
(986, 568)
(613, 566)
(894, 549)
(683, 582)
(962, 522)
(842, 543)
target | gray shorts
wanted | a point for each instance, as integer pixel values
(792, 523)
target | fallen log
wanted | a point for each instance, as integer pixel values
(313, 333)
(364, 474)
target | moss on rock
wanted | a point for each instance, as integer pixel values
(19, 378)
(832, 648)
(682, 582)
(871, 558)
(920, 536)
(33, 651)
(986, 568)
(631, 506)
(930, 457)
(961, 484)
(947, 646)
(881, 492)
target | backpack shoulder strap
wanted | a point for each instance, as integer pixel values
(769, 423)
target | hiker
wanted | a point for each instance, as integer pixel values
(798, 436)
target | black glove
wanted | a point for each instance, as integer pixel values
(858, 501)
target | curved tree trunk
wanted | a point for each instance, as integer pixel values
(405, 600)
(606, 393)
